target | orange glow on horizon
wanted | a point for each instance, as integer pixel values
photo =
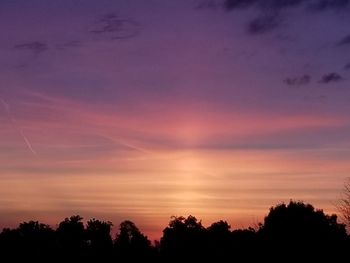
(235, 186)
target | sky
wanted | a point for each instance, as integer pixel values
(144, 109)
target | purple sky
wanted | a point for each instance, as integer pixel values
(215, 108)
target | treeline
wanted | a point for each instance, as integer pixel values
(293, 232)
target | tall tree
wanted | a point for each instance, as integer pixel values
(130, 243)
(71, 238)
(99, 240)
(183, 238)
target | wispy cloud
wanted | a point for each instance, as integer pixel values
(36, 47)
(101, 126)
(147, 133)
(114, 27)
(108, 27)
(69, 44)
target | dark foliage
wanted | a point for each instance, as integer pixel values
(293, 232)
(301, 232)
(131, 244)
(99, 241)
(183, 238)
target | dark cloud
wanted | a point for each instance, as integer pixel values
(322, 5)
(262, 4)
(263, 24)
(36, 47)
(280, 4)
(298, 81)
(235, 4)
(319, 5)
(270, 16)
(331, 77)
(344, 41)
(347, 66)
(113, 27)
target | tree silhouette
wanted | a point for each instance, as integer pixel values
(71, 238)
(219, 240)
(99, 240)
(183, 238)
(130, 243)
(36, 239)
(10, 246)
(293, 232)
(300, 231)
(245, 243)
(30, 241)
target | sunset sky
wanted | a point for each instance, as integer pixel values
(144, 109)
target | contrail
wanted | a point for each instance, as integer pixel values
(30, 147)
(14, 124)
(134, 147)
(128, 145)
